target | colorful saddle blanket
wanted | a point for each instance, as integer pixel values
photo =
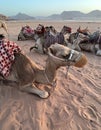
(27, 31)
(7, 50)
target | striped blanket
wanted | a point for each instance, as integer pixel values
(49, 39)
(7, 50)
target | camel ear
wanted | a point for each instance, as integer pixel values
(50, 27)
(79, 27)
(50, 50)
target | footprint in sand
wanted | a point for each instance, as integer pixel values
(90, 113)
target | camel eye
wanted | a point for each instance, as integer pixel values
(52, 51)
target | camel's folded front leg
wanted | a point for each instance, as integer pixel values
(32, 89)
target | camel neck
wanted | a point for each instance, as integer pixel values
(50, 70)
(47, 75)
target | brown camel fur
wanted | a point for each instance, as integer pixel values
(4, 26)
(26, 74)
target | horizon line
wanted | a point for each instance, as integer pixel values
(50, 14)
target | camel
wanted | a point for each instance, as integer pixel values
(26, 33)
(4, 26)
(74, 35)
(92, 43)
(88, 42)
(27, 75)
(89, 47)
(47, 36)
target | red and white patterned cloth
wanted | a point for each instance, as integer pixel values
(7, 49)
(27, 30)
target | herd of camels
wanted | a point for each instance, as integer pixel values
(28, 76)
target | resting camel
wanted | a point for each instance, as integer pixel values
(4, 26)
(79, 31)
(48, 36)
(94, 47)
(89, 42)
(27, 75)
(26, 33)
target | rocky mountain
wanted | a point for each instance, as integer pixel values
(21, 16)
(54, 16)
(71, 15)
(65, 15)
(95, 13)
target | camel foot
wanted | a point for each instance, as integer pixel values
(34, 47)
(34, 90)
(44, 94)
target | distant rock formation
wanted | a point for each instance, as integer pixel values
(95, 13)
(65, 15)
(72, 15)
(3, 17)
(21, 16)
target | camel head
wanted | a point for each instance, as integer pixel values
(66, 30)
(40, 29)
(65, 56)
(53, 30)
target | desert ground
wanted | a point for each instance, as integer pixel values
(75, 104)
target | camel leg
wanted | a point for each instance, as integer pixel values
(21, 36)
(32, 89)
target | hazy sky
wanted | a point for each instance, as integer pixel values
(47, 7)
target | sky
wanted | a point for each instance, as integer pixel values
(47, 7)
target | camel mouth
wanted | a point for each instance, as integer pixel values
(81, 62)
